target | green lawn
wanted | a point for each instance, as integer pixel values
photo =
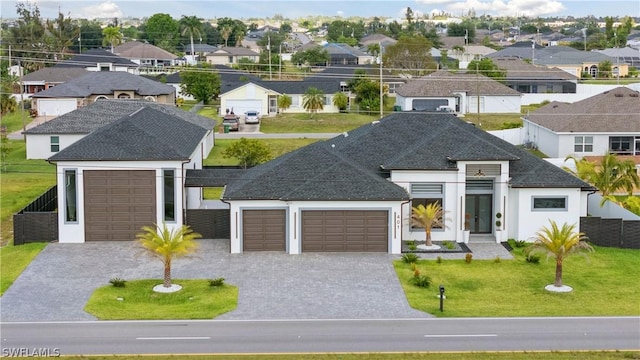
(319, 123)
(196, 300)
(212, 193)
(278, 147)
(14, 259)
(14, 121)
(402, 356)
(606, 283)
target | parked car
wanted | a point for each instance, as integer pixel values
(232, 121)
(251, 117)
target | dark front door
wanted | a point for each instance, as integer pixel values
(478, 206)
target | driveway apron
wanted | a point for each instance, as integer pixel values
(59, 281)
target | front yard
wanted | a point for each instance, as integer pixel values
(605, 284)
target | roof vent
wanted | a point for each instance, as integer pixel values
(555, 106)
(375, 122)
(634, 95)
(618, 95)
(345, 134)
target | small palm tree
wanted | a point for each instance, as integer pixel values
(428, 217)
(111, 35)
(313, 100)
(558, 243)
(191, 25)
(226, 32)
(284, 102)
(340, 100)
(165, 244)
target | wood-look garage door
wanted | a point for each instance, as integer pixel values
(118, 203)
(264, 230)
(345, 230)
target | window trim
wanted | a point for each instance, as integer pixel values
(581, 142)
(425, 195)
(54, 145)
(166, 174)
(537, 197)
(65, 172)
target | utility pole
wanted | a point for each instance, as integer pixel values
(24, 122)
(269, 47)
(478, 89)
(280, 62)
(80, 42)
(381, 92)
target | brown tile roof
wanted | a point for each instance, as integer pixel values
(520, 69)
(145, 51)
(617, 110)
(444, 83)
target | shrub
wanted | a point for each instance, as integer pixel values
(439, 259)
(497, 260)
(520, 243)
(117, 282)
(534, 259)
(449, 244)
(421, 280)
(410, 258)
(412, 245)
(468, 257)
(216, 282)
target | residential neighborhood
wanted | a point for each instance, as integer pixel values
(178, 166)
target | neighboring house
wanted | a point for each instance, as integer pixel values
(53, 136)
(48, 77)
(93, 86)
(470, 53)
(343, 54)
(536, 79)
(199, 52)
(627, 55)
(127, 174)
(607, 122)
(99, 60)
(231, 55)
(377, 39)
(146, 55)
(354, 192)
(464, 93)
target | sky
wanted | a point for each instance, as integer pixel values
(344, 8)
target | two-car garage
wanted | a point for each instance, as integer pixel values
(320, 230)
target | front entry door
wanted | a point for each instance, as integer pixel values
(479, 208)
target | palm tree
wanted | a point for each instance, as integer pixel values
(284, 102)
(191, 25)
(111, 35)
(558, 243)
(165, 244)
(340, 100)
(610, 176)
(313, 100)
(428, 217)
(226, 32)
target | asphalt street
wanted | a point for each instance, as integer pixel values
(309, 336)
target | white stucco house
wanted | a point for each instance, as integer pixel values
(129, 173)
(607, 122)
(354, 192)
(462, 92)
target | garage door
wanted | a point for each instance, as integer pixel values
(345, 230)
(241, 106)
(56, 107)
(118, 203)
(263, 230)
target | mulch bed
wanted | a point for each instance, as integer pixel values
(457, 248)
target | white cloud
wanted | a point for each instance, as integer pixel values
(107, 9)
(530, 8)
(340, 13)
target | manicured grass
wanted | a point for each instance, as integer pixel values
(14, 259)
(196, 300)
(492, 121)
(13, 121)
(614, 81)
(319, 123)
(21, 182)
(212, 193)
(278, 147)
(606, 283)
(403, 356)
(210, 111)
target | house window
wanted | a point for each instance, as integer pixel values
(70, 197)
(169, 195)
(295, 101)
(583, 144)
(620, 145)
(426, 194)
(55, 143)
(327, 100)
(549, 203)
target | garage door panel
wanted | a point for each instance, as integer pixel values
(345, 230)
(264, 230)
(118, 203)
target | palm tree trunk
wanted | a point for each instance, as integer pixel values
(558, 282)
(193, 55)
(428, 239)
(167, 274)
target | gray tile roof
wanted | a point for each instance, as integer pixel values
(518, 69)
(92, 57)
(146, 135)
(55, 75)
(103, 112)
(444, 83)
(138, 50)
(343, 49)
(105, 83)
(356, 166)
(216, 177)
(617, 110)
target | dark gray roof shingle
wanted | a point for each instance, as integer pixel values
(92, 57)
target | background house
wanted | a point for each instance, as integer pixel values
(231, 55)
(536, 79)
(146, 55)
(99, 60)
(93, 86)
(462, 92)
(607, 122)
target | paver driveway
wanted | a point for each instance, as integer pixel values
(58, 283)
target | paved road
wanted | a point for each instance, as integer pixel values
(191, 337)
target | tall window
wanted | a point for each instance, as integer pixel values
(583, 144)
(55, 143)
(169, 195)
(425, 194)
(70, 199)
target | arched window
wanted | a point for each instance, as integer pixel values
(593, 70)
(150, 98)
(124, 96)
(101, 97)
